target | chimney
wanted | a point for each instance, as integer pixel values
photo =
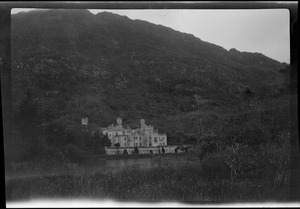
(142, 123)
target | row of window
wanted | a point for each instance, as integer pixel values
(155, 139)
(136, 138)
(128, 138)
(117, 134)
(140, 144)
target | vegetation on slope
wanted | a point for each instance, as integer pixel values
(232, 106)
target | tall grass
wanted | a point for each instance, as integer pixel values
(164, 181)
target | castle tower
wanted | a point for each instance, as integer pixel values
(142, 123)
(119, 121)
(84, 123)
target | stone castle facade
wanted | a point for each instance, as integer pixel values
(145, 136)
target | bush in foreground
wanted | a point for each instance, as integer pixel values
(165, 182)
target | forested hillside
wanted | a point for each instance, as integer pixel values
(68, 64)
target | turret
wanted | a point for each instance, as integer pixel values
(119, 121)
(142, 123)
(84, 121)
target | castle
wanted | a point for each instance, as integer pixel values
(145, 136)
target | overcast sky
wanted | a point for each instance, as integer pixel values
(265, 30)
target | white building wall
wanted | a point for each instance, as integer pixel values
(143, 137)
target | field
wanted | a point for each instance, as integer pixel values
(159, 178)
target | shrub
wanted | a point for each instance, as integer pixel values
(207, 145)
(52, 155)
(73, 153)
(253, 137)
(215, 167)
(136, 150)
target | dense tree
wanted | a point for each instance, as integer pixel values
(28, 140)
(100, 141)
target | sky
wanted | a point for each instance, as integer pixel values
(257, 30)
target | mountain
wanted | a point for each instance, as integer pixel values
(75, 63)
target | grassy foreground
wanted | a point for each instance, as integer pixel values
(193, 181)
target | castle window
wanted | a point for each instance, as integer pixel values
(140, 138)
(155, 139)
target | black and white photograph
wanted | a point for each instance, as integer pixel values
(161, 107)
